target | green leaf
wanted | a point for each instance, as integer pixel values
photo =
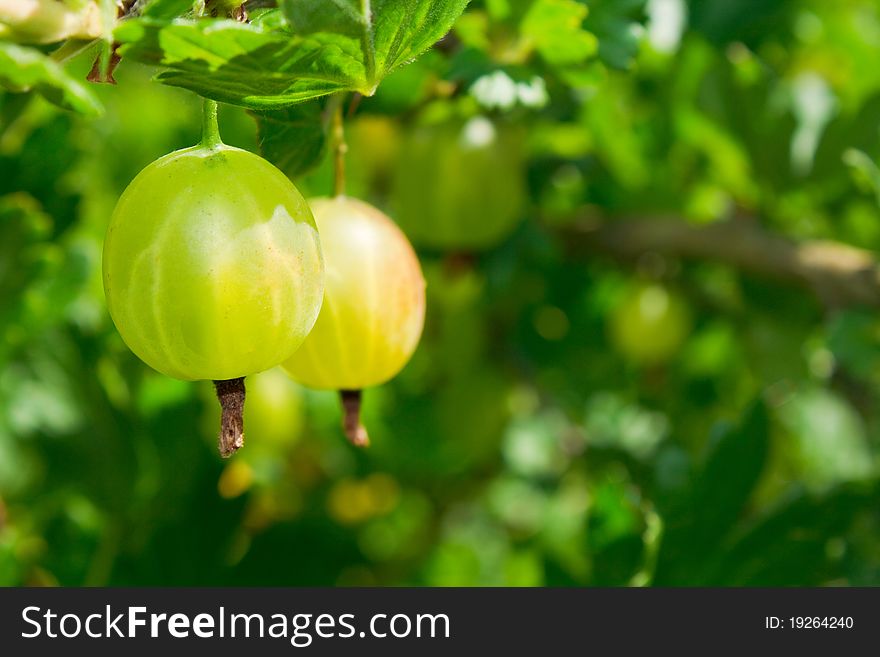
(24, 262)
(862, 165)
(830, 438)
(792, 545)
(700, 522)
(337, 46)
(23, 69)
(732, 469)
(240, 64)
(613, 23)
(268, 19)
(166, 8)
(388, 33)
(854, 340)
(555, 28)
(294, 139)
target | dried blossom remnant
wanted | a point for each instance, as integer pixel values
(97, 74)
(240, 14)
(351, 418)
(227, 9)
(231, 395)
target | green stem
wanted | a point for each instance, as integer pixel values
(210, 129)
(340, 148)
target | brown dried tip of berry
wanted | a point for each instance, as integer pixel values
(105, 77)
(231, 395)
(351, 418)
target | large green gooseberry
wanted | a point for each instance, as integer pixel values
(459, 186)
(213, 268)
(212, 265)
(374, 305)
(650, 324)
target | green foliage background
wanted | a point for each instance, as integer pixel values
(519, 447)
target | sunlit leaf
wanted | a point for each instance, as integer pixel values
(24, 69)
(338, 46)
(555, 27)
(166, 8)
(388, 33)
(241, 64)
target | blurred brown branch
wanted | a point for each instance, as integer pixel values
(840, 275)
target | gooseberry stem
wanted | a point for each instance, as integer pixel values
(351, 418)
(340, 148)
(230, 394)
(210, 129)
